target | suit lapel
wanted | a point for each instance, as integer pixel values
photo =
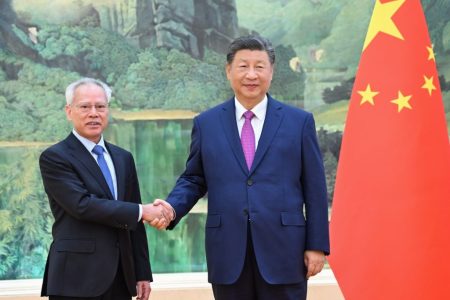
(80, 153)
(228, 120)
(272, 122)
(119, 167)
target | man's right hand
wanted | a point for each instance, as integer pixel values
(159, 214)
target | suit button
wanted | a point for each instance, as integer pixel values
(249, 182)
(245, 212)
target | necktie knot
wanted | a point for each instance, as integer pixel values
(248, 115)
(98, 150)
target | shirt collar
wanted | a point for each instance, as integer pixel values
(88, 143)
(259, 110)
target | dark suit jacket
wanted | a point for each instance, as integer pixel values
(91, 231)
(283, 197)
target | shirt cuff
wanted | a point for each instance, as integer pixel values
(140, 212)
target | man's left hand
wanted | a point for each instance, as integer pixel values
(143, 290)
(314, 261)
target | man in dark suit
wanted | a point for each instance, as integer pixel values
(99, 248)
(259, 161)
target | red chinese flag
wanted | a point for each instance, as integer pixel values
(390, 223)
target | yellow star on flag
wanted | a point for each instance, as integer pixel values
(430, 53)
(381, 21)
(402, 101)
(428, 84)
(367, 95)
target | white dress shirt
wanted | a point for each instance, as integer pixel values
(259, 111)
(89, 145)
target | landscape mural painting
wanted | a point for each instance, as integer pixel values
(165, 61)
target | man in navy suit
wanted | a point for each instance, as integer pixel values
(99, 249)
(267, 219)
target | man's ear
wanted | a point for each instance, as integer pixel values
(68, 109)
(228, 70)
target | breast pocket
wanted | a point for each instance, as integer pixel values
(285, 149)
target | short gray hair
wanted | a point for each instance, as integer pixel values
(70, 90)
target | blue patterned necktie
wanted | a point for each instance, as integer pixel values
(104, 167)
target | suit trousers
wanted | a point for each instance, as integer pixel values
(252, 286)
(117, 291)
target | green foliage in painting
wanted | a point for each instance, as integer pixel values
(287, 84)
(154, 82)
(446, 99)
(90, 50)
(308, 21)
(32, 104)
(2, 76)
(436, 12)
(306, 24)
(343, 46)
(25, 219)
(339, 92)
(330, 143)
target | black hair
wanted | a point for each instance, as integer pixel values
(251, 42)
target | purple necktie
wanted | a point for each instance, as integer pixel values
(248, 138)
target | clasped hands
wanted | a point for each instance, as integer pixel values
(158, 214)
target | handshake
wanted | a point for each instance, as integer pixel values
(158, 214)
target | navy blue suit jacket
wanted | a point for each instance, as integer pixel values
(283, 195)
(92, 233)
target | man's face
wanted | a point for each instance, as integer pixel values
(250, 75)
(89, 111)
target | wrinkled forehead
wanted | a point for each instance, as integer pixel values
(89, 92)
